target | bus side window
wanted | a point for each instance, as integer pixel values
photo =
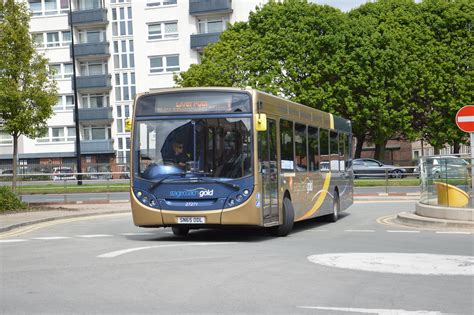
(300, 148)
(333, 140)
(324, 149)
(286, 144)
(313, 149)
(342, 151)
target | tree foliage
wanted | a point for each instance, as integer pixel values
(396, 68)
(26, 92)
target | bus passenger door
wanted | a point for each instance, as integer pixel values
(269, 171)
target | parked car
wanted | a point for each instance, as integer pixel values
(449, 166)
(365, 167)
(63, 173)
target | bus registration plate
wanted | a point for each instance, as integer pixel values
(191, 220)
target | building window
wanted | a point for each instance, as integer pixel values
(159, 3)
(65, 102)
(163, 30)
(52, 39)
(96, 133)
(93, 68)
(89, 4)
(58, 134)
(122, 21)
(92, 36)
(61, 70)
(5, 138)
(124, 54)
(125, 89)
(164, 63)
(95, 100)
(48, 7)
(123, 112)
(212, 25)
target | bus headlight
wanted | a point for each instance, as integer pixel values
(146, 199)
(238, 198)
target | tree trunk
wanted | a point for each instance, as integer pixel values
(359, 144)
(380, 151)
(15, 159)
(456, 147)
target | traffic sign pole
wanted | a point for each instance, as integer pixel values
(465, 122)
(472, 168)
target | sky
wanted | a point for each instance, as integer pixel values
(344, 5)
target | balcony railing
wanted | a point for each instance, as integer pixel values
(199, 41)
(97, 146)
(94, 82)
(93, 17)
(198, 7)
(91, 50)
(95, 114)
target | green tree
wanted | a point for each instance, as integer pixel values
(377, 74)
(27, 93)
(446, 82)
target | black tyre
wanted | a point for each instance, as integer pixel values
(180, 231)
(288, 220)
(397, 174)
(336, 208)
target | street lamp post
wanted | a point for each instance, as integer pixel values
(76, 101)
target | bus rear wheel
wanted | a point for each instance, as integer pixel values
(180, 231)
(288, 220)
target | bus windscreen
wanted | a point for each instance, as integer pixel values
(193, 102)
(216, 147)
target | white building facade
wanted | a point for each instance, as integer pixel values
(121, 47)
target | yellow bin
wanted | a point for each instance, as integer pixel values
(451, 196)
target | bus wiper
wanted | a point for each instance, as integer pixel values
(208, 180)
(158, 182)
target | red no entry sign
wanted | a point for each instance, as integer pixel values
(465, 118)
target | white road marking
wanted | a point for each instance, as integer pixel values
(399, 263)
(94, 235)
(137, 233)
(130, 250)
(360, 231)
(47, 238)
(13, 240)
(402, 231)
(453, 232)
(371, 310)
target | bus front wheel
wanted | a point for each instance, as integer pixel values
(288, 220)
(180, 231)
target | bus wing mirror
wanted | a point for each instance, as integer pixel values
(128, 125)
(261, 122)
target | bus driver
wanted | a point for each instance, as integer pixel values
(179, 158)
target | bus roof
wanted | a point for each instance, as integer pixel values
(303, 110)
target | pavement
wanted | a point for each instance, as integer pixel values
(60, 211)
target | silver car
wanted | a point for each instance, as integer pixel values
(366, 167)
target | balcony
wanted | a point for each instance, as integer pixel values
(199, 41)
(201, 7)
(89, 17)
(91, 51)
(97, 146)
(93, 83)
(89, 115)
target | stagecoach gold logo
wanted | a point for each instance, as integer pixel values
(196, 192)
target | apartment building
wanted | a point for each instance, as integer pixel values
(121, 47)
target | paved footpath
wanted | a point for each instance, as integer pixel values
(11, 221)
